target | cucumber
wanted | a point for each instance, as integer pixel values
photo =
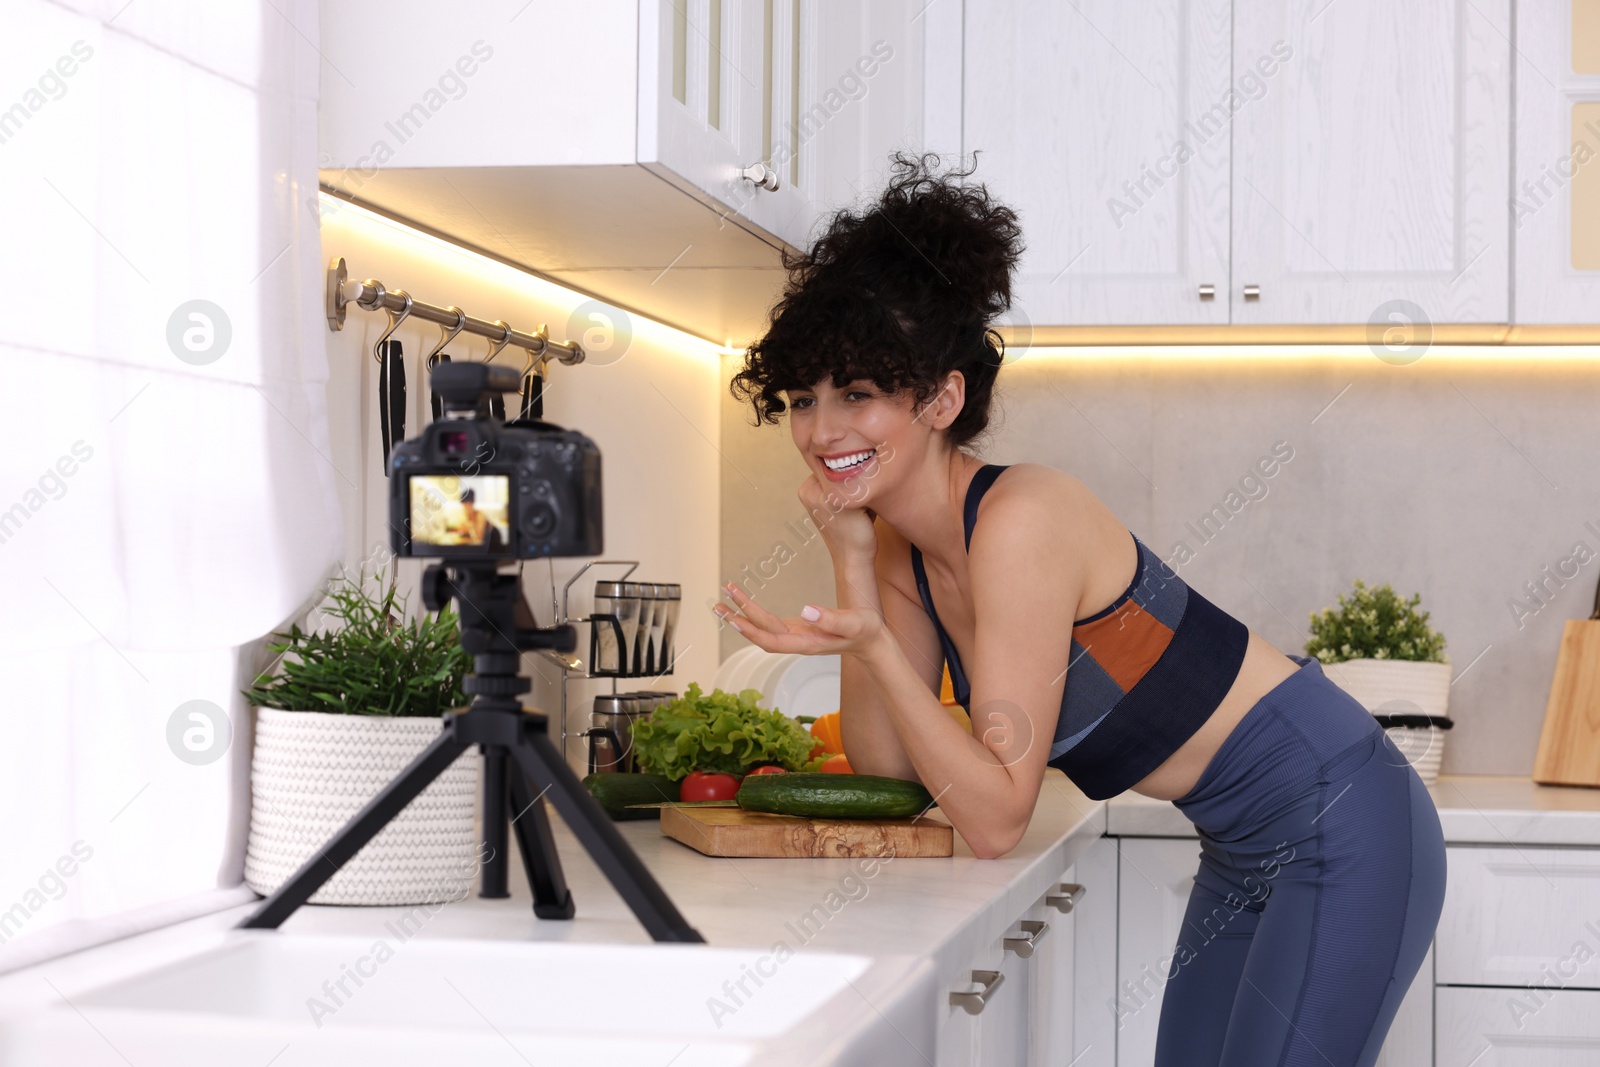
(821, 795)
(617, 789)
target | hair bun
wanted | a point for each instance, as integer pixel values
(966, 244)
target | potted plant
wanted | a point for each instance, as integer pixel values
(350, 708)
(1380, 650)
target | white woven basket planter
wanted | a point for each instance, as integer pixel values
(1390, 687)
(311, 772)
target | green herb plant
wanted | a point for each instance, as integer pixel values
(372, 664)
(1374, 624)
(719, 732)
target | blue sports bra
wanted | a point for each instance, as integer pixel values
(1143, 674)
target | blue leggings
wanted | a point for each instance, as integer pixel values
(1321, 880)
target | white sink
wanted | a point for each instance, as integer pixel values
(261, 997)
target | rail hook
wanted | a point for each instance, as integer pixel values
(446, 334)
(498, 345)
(395, 319)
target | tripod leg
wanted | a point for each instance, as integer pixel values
(623, 868)
(492, 876)
(358, 831)
(551, 898)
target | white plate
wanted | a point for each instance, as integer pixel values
(734, 663)
(809, 687)
(765, 674)
(739, 679)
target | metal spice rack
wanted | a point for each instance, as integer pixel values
(569, 673)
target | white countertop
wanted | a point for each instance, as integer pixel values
(946, 908)
(1488, 809)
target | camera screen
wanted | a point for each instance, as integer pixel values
(456, 510)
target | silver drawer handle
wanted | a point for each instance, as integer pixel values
(1066, 895)
(762, 175)
(1033, 931)
(1208, 292)
(1252, 292)
(974, 1001)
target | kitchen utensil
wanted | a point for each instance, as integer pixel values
(391, 398)
(607, 640)
(722, 831)
(669, 631)
(1569, 743)
(635, 627)
(609, 740)
(655, 659)
(807, 687)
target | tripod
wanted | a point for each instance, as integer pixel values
(491, 608)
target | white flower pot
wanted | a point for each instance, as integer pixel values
(312, 772)
(1402, 687)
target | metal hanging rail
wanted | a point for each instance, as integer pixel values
(375, 296)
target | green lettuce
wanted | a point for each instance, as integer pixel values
(720, 732)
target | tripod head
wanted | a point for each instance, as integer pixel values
(496, 627)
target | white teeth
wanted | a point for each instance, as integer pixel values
(848, 461)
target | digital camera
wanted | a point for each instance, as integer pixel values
(471, 485)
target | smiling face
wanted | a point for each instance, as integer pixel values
(847, 434)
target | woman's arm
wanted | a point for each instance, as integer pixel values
(1025, 594)
(870, 739)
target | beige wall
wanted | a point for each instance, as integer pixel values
(1459, 477)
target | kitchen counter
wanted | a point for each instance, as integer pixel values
(1474, 809)
(945, 908)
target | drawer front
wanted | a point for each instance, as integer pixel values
(1513, 1028)
(1514, 916)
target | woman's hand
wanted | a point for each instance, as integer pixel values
(817, 632)
(846, 529)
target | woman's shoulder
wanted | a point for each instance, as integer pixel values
(1040, 492)
(1029, 502)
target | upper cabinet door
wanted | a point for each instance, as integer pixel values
(780, 75)
(1105, 124)
(692, 99)
(1371, 161)
(1556, 203)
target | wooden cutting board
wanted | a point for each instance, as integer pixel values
(1569, 744)
(736, 832)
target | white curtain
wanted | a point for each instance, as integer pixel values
(166, 494)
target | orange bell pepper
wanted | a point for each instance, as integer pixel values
(825, 728)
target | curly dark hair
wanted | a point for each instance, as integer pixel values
(900, 293)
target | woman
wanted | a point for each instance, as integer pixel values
(1071, 644)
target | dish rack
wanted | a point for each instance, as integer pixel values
(570, 674)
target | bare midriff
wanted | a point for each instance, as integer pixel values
(1263, 668)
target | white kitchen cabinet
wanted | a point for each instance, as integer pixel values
(1308, 162)
(1028, 1020)
(1053, 982)
(1519, 915)
(1155, 878)
(816, 91)
(1512, 1028)
(605, 145)
(1556, 194)
(1373, 165)
(1094, 949)
(1091, 120)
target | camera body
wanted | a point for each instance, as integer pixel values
(471, 486)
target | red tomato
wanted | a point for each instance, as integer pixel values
(836, 764)
(701, 785)
(767, 768)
